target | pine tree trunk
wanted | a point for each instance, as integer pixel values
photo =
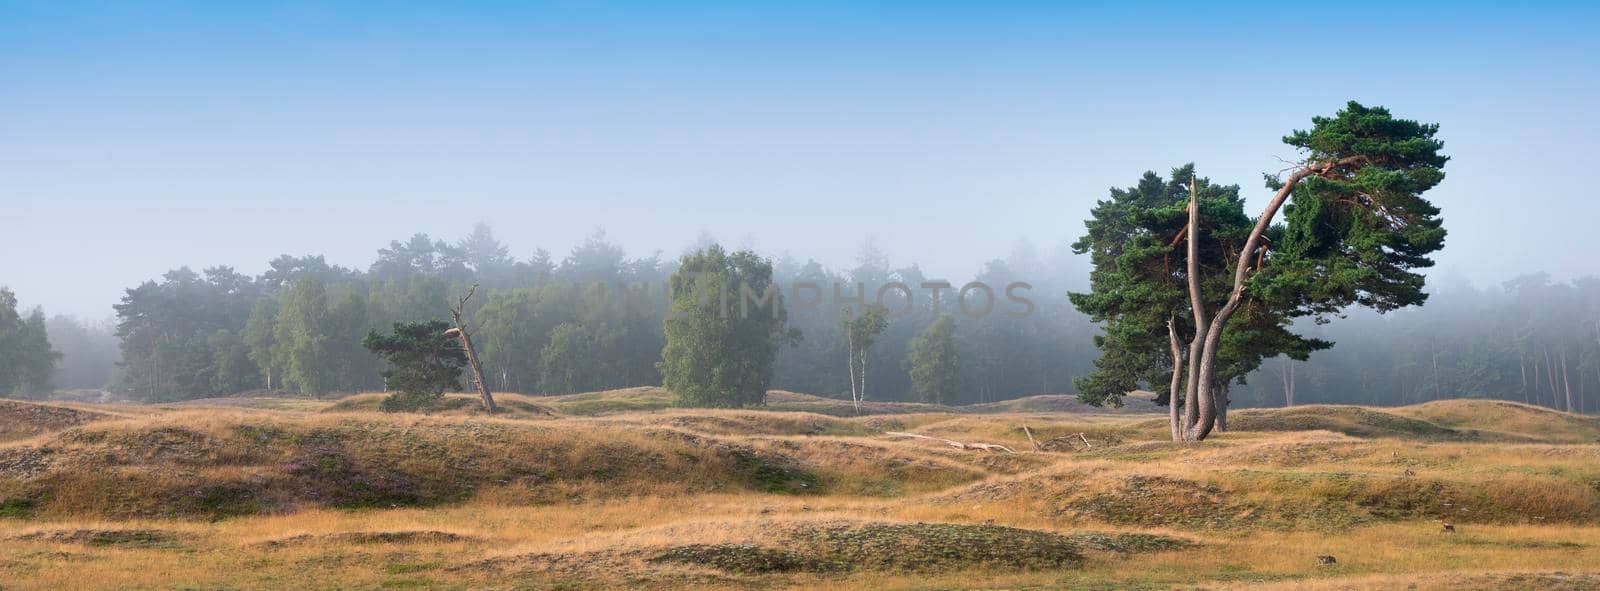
(1192, 398)
(1213, 340)
(1522, 362)
(1550, 371)
(1177, 379)
(1565, 382)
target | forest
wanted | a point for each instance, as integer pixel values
(552, 325)
(591, 320)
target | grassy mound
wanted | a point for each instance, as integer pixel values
(1551, 581)
(1138, 402)
(744, 559)
(782, 400)
(510, 405)
(1223, 497)
(1355, 421)
(643, 398)
(262, 400)
(372, 537)
(920, 547)
(835, 546)
(1497, 419)
(211, 464)
(752, 422)
(21, 420)
(120, 538)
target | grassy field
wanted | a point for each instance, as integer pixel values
(616, 489)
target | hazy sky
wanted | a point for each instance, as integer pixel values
(138, 137)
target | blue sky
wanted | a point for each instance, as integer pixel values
(137, 137)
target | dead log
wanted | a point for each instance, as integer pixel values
(955, 444)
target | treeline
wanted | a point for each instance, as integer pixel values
(1529, 340)
(27, 361)
(590, 321)
(297, 327)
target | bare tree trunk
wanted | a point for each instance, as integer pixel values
(863, 376)
(1537, 387)
(155, 365)
(1550, 371)
(850, 360)
(1294, 387)
(1197, 305)
(1286, 373)
(1522, 362)
(472, 353)
(1583, 404)
(1567, 383)
(477, 372)
(1177, 379)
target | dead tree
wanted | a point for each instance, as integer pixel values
(460, 331)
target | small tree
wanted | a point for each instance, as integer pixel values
(860, 332)
(935, 362)
(424, 363)
(720, 353)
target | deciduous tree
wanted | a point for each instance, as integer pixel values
(720, 350)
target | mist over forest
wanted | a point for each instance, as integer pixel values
(591, 319)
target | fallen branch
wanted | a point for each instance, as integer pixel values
(1035, 442)
(955, 444)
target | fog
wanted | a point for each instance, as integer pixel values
(142, 139)
(138, 140)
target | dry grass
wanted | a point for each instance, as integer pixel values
(613, 489)
(22, 420)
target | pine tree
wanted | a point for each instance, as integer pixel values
(1354, 232)
(423, 361)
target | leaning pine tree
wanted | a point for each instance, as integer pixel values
(1356, 227)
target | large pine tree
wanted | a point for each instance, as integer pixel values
(1356, 228)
